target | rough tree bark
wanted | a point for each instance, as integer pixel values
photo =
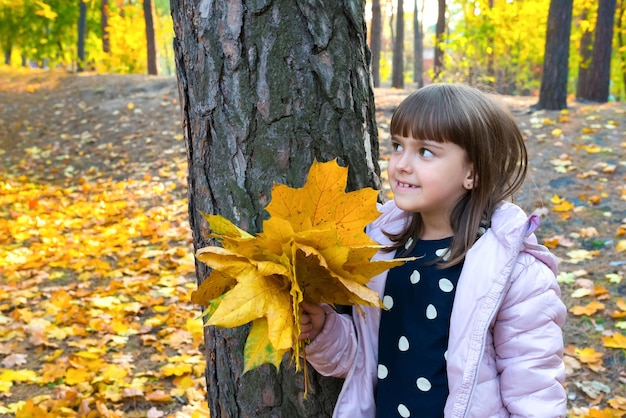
(553, 91)
(266, 87)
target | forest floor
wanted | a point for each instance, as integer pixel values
(94, 291)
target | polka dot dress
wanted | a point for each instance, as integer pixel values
(413, 335)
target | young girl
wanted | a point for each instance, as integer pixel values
(472, 328)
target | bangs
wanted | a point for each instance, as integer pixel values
(432, 114)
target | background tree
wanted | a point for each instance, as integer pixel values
(553, 92)
(278, 85)
(585, 49)
(82, 34)
(621, 42)
(418, 45)
(397, 74)
(375, 41)
(440, 30)
(150, 36)
(104, 11)
(597, 88)
(12, 18)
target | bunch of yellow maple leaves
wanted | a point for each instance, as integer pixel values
(313, 247)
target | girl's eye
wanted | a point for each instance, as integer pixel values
(425, 152)
(397, 147)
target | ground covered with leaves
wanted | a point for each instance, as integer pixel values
(96, 265)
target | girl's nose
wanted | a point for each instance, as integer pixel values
(404, 163)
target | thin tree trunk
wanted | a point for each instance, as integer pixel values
(265, 89)
(440, 30)
(418, 45)
(397, 72)
(82, 33)
(104, 9)
(392, 30)
(375, 41)
(585, 52)
(148, 13)
(622, 45)
(491, 73)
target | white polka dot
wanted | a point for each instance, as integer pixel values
(388, 301)
(423, 384)
(409, 242)
(444, 253)
(404, 411)
(415, 277)
(445, 355)
(431, 312)
(446, 285)
(382, 371)
(403, 344)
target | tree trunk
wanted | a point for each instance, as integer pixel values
(586, 43)
(491, 73)
(376, 34)
(597, 89)
(553, 91)
(622, 46)
(148, 14)
(82, 34)
(418, 45)
(440, 30)
(265, 89)
(397, 72)
(104, 9)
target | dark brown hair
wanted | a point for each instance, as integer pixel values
(494, 144)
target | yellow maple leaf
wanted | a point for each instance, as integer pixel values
(313, 247)
(564, 206)
(589, 309)
(616, 340)
(588, 355)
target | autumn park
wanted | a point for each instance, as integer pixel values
(151, 149)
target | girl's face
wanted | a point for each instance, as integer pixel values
(430, 178)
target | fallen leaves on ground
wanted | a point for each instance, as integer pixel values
(96, 269)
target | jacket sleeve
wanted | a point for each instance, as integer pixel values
(528, 340)
(333, 351)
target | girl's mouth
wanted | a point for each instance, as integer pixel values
(406, 185)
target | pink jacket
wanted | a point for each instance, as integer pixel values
(505, 347)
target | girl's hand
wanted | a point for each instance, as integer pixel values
(311, 321)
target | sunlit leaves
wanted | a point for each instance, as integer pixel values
(93, 292)
(313, 247)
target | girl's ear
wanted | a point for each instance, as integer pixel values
(470, 179)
